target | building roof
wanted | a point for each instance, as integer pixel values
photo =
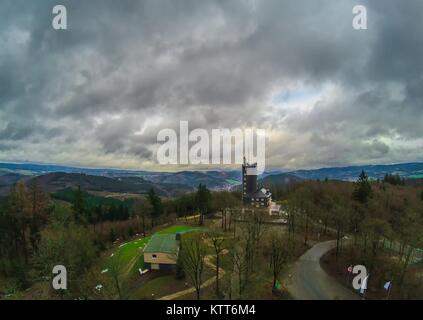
(165, 243)
(261, 193)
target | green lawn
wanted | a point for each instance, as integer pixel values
(133, 249)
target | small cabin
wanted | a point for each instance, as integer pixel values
(161, 252)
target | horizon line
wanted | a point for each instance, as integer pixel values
(285, 170)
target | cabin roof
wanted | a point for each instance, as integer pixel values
(165, 243)
(261, 193)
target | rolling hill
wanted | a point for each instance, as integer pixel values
(280, 179)
(53, 182)
(212, 179)
(350, 173)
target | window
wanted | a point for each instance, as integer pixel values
(154, 256)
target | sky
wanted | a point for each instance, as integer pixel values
(98, 93)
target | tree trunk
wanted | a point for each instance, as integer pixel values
(326, 226)
(338, 233)
(143, 224)
(365, 242)
(217, 275)
(240, 283)
(405, 265)
(306, 231)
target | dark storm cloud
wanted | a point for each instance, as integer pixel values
(126, 69)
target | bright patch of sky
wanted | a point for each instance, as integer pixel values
(300, 98)
(295, 95)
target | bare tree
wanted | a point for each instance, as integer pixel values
(411, 237)
(252, 236)
(259, 227)
(299, 206)
(142, 208)
(192, 253)
(293, 210)
(38, 202)
(235, 214)
(280, 252)
(219, 246)
(240, 268)
(115, 271)
(339, 218)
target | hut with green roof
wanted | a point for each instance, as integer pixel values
(161, 252)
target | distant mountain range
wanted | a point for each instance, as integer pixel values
(212, 179)
(279, 179)
(54, 177)
(350, 173)
(56, 181)
(31, 169)
(216, 180)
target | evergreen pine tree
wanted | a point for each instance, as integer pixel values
(363, 189)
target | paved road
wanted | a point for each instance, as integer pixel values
(306, 280)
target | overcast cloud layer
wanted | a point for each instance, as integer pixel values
(98, 93)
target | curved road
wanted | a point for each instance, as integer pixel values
(306, 280)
